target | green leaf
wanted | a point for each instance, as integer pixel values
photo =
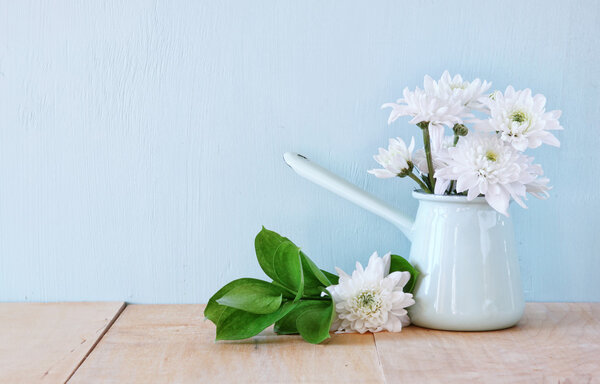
(213, 309)
(335, 279)
(255, 296)
(266, 244)
(270, 245)
(315, 321)
(287, 267)
(287, 324)
(313, 277)
(235, 324)
(398, 263)
(245, 307)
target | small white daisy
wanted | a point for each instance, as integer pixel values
(396, 160)
(521, 119)
(470, 94)
(425, 107)
(486, 165)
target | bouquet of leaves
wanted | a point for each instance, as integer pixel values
(488, 159)
(303, 299)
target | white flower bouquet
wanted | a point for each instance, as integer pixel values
(485, 160)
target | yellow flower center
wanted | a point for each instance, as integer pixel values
(366, 298)
(367, 303)
(518, 116)
(491, 156)
(458, 86)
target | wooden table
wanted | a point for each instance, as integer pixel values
(47, 342)
(554, 343)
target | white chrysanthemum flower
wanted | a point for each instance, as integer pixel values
(485, 164)
(371, 299)
(425, 107)
(420, 159)
(470, 94)
(396, 161)
(521, 119)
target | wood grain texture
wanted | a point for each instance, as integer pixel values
(173, 344)
(553, 343)
(45, 343)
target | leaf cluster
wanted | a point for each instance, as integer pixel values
(293, 300)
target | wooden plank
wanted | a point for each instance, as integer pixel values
(173, 344)
(554, 342)
(46, 342)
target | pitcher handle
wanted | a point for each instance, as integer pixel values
(348, 191)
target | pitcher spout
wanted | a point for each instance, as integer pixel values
(348, 191)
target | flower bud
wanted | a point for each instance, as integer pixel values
(460, 130)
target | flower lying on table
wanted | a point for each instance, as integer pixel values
(303, 299)
(372, 299)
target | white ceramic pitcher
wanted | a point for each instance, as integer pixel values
(465, 251)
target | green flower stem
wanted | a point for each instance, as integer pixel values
(421, 184)
(322, 298)
(456, 137)
(427, 142)
(451, 187)
(315, 298)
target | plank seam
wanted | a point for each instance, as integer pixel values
(106, 329)
(379, 359)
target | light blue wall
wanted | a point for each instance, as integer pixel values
(141, 142)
